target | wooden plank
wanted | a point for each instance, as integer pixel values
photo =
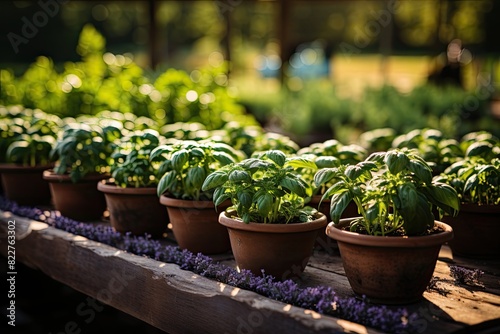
(169, 298)
(161, 294)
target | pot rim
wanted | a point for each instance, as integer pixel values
(318, 223)
(108, 187)
(191, 204)
(50, 176)
(476, 208)
(316, 198)
(334, 232)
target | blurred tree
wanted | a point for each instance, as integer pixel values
(429, 23)
(418, 21)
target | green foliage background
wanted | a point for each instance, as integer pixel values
(104, 81)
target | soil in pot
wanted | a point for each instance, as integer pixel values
(25, 185)
(195, 226)
(80, 201)
(281, 250)
(135, 210)
(476, 229)
(388, 270)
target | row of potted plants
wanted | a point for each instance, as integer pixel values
(389, 252)
(393, 192)
(438, 150)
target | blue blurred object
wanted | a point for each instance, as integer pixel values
(309, 60)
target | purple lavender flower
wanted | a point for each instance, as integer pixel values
(466, 276)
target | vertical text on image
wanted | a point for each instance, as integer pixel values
(11, 272)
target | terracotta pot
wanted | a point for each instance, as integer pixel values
(134, 210)
(281, 250)
(24, 184)
(388, 270)
(80, 201)
(195, 227)
(476, 231)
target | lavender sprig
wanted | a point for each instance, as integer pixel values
(466, 276)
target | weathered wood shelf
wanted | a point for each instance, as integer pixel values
(178, 301)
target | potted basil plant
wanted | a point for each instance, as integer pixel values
(131, 191)
(477, 226)
(27, 140)
(184, 165)
(82, 160)
(439, 152)
(27, 157)
(331, 153)
(269, 226)
(390, 251)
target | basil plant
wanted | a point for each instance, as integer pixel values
(184, 165)
(83, 149)
(131, 166)
(476, 180)
(265, 188)
(393, 191)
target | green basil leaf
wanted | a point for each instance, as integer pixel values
(422, 171)
(361, 170)
(443, 196)
(223, 158)
(294, 185)
(299, 162)
(179, 159)
(220, 196)
(327, 162)
(239, 176)
(407, 195)
(396, 161)
(245, 199)
(264, 204)
(338, 204)
(277, 156)
(196, 177)
(214, 180)
(325, 175)
(479, 149)
(166, 182)
(417, 224)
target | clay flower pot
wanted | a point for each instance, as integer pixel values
(25, 184)
(195, 227)
(281, 250)
(80, 201)
(134, 210)
(388, 270)
(476, 229)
